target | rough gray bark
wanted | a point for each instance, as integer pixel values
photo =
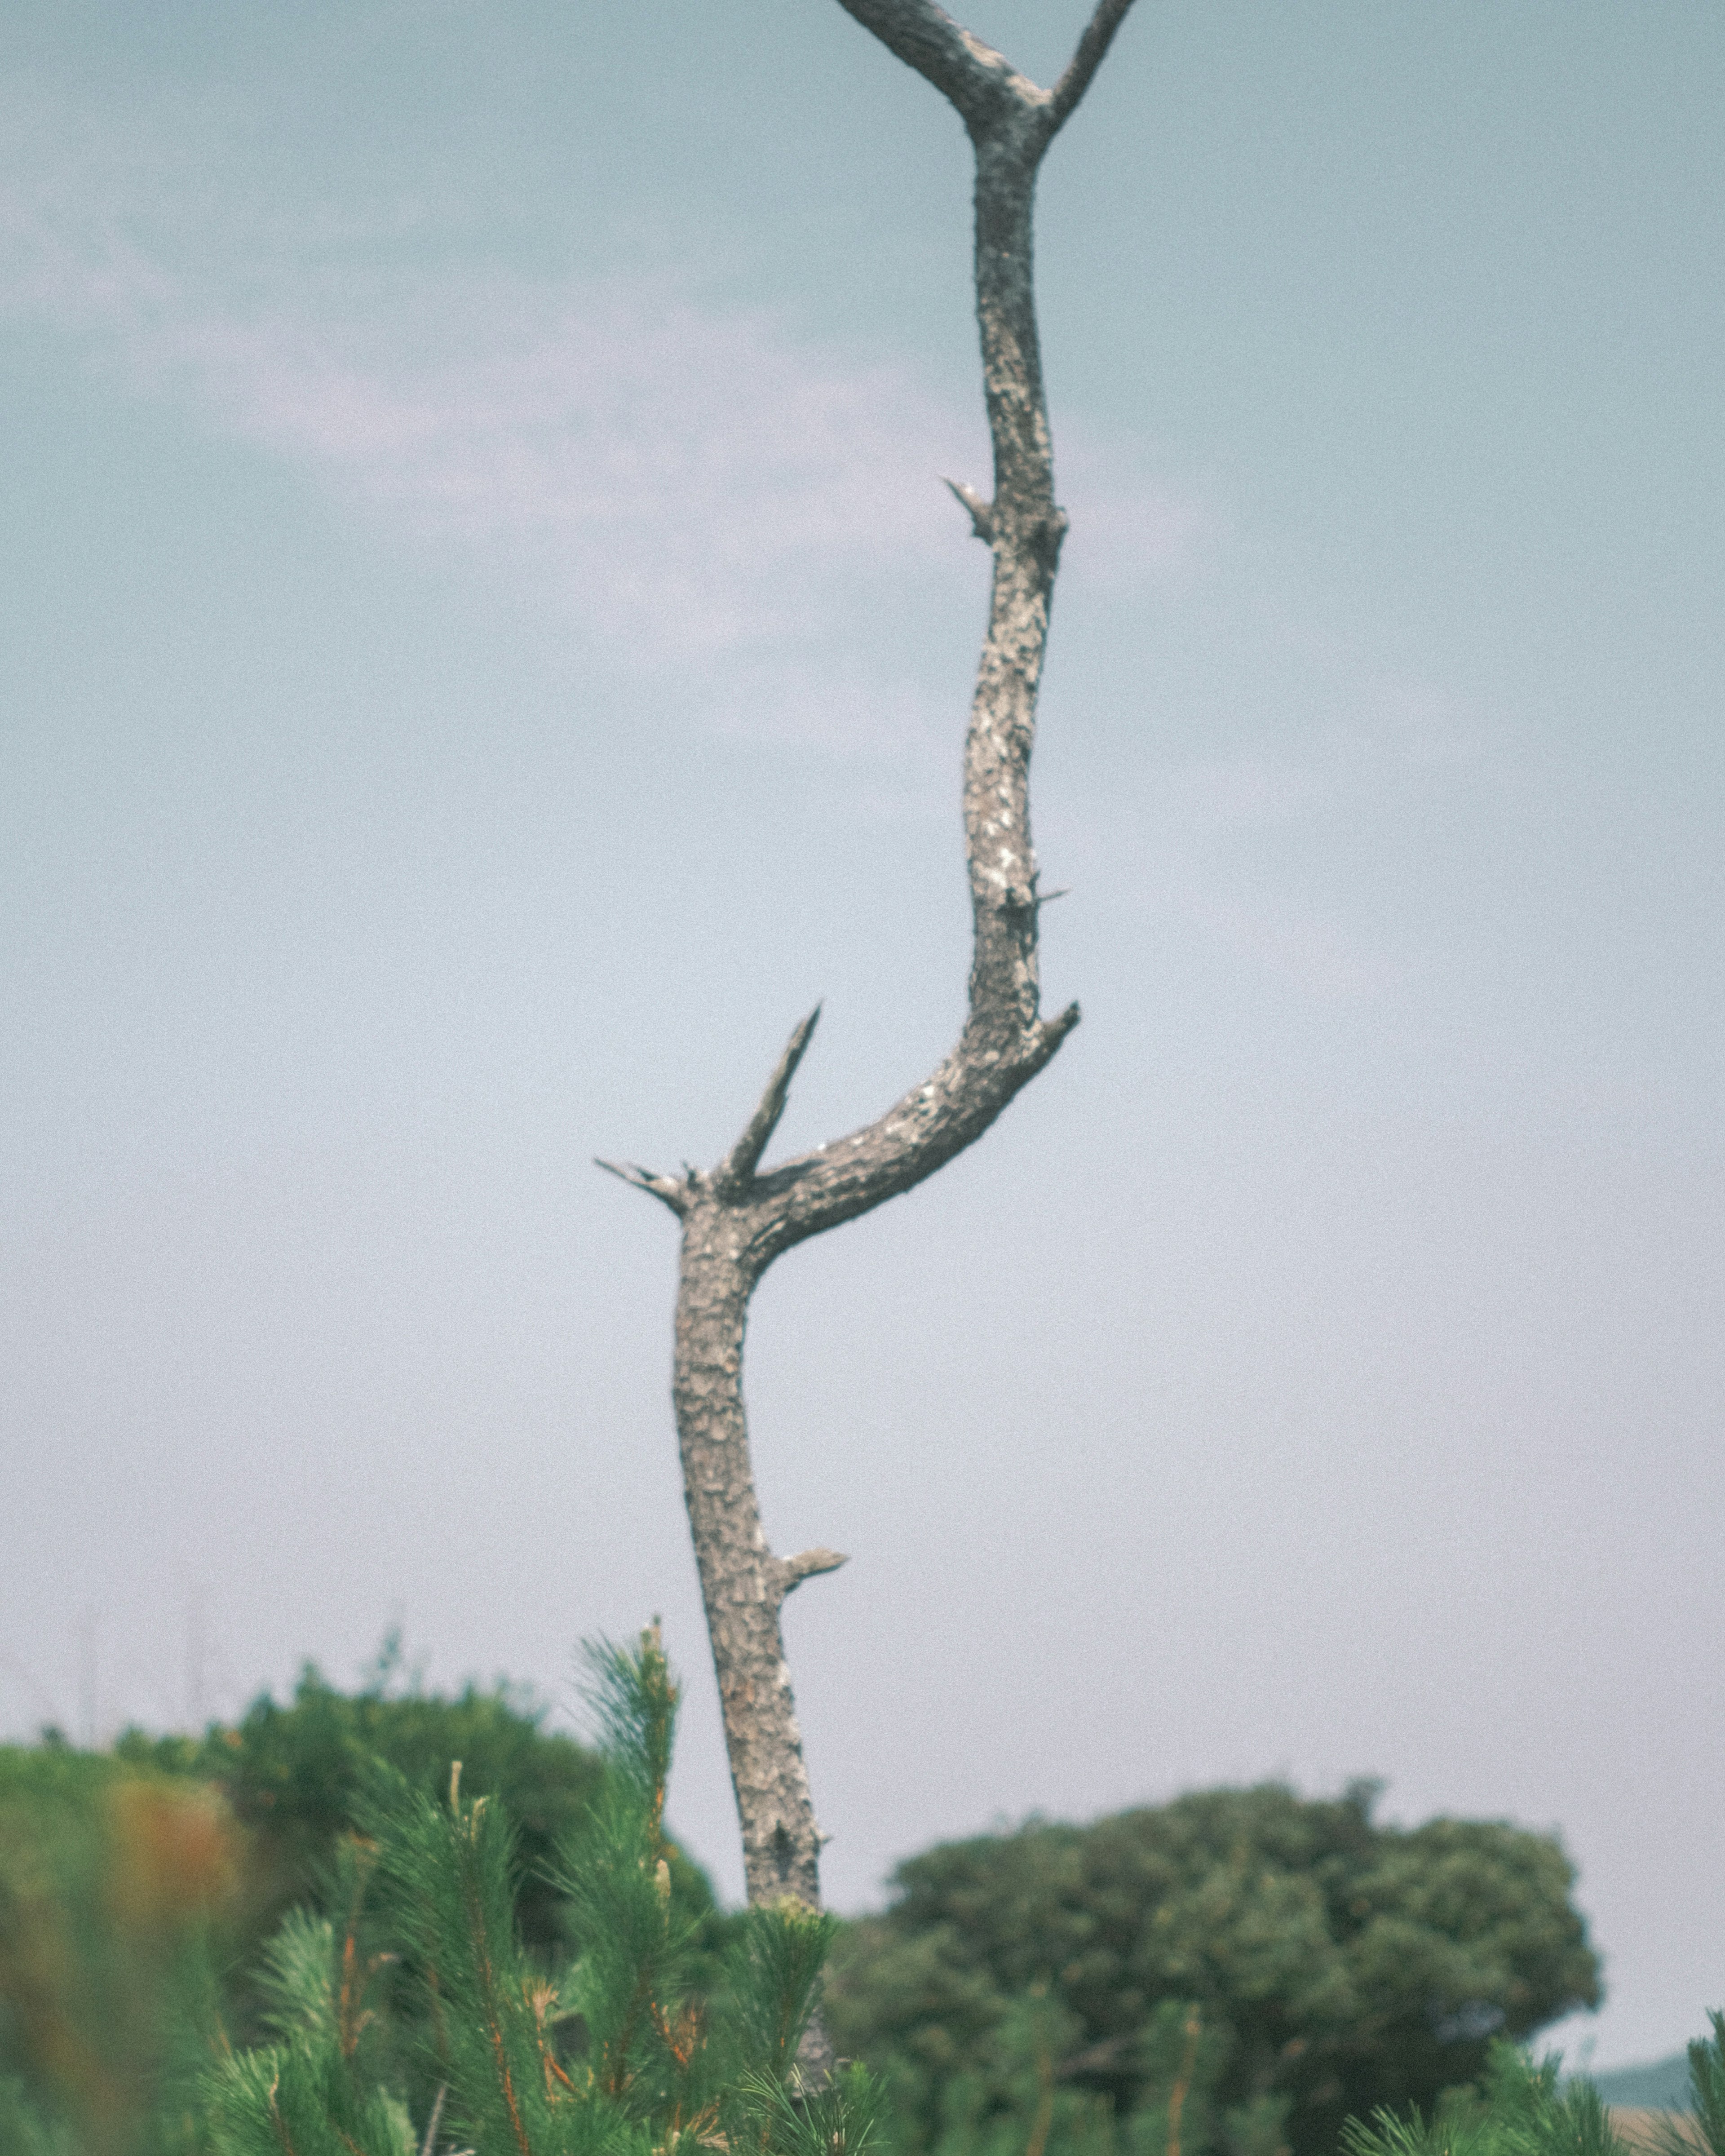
(735, 1219)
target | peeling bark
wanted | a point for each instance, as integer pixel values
(735, 1220)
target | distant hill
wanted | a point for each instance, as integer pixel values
(1663, 2085)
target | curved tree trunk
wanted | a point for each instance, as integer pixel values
(735, 1220)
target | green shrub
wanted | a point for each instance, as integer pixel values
(1331, 1965)
(291, 1774)
(424, 2012)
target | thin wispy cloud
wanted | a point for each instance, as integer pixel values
(682, 482)
(679, 486)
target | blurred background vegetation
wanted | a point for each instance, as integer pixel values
(1235, 1973)
(136, 1882)
(1241, 1970)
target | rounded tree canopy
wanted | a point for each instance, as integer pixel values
(1282, 1961)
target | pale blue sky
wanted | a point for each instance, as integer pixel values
(483, 647)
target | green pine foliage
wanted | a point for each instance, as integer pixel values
(1704, 2126)
(1333, 1965)
(138, 1888)
(426, 2007)
(1525, 2109)
(517, 1961)
(773, 1973)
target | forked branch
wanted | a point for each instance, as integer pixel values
(980, 82)
(972, 76)
(736, 1218)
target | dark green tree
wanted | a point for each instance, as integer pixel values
(1329, 1964)
(291, 1772)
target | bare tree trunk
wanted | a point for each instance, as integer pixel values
(735, 1219)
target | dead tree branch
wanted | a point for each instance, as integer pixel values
(737, 1219)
